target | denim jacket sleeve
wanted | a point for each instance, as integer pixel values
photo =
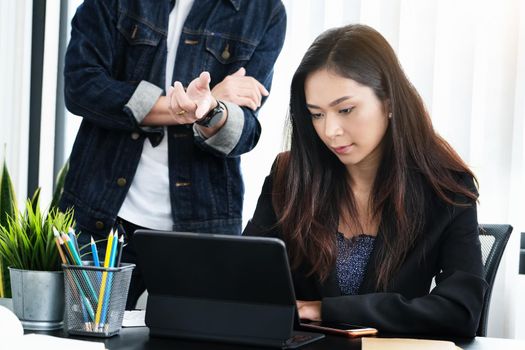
(260, 66)
(91, 87)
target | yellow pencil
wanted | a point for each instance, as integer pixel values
(104, 277)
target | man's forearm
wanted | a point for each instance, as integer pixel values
(160, 114)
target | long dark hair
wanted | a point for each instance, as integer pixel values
(310, 183)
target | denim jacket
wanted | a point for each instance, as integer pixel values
(118, 51)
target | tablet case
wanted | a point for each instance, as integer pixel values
(219, 288)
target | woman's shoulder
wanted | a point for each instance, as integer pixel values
(264, 220)
(279, 167)
(281, 160)
(460, 189)
(452, 189)
(467, 181)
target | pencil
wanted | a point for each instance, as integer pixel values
(96, 261)
(73, 237)
(107, 293)
(59, 248)
(121, 228)
(59, 237)
(121, 245)
(78, 261)
(94, 252)
(75, 286)
(85, 317)
(104, 277)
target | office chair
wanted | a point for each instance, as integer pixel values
(493, 240)
(522, 254)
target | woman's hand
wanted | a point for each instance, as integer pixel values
(309, 310)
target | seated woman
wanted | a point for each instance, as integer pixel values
(372, 203)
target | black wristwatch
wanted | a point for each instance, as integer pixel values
(213, 116)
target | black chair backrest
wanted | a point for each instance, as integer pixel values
(493, 240)
(522, 254)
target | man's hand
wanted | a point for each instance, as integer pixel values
(309, 310)
(240, 89)
(188, 106)
(181, 106)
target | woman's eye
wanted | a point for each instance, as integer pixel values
(316, 115)
(346, 110)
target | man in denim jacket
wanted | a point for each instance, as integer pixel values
(139, 158)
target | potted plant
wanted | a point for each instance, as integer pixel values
(28, 249)
(8, 208)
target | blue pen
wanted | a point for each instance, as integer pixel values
(107, 292)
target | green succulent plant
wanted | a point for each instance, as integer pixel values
(26, 238)
(27, 241)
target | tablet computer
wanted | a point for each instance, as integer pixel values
(220, 288)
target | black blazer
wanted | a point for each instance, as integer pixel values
(448, 249)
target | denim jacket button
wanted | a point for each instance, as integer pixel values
(135, 135)
(121, 181)
(99, 225)
(226, 53)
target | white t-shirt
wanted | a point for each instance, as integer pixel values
(148, 201)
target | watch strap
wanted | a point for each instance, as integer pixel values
(213, 116)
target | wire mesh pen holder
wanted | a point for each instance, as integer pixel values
(95, 298)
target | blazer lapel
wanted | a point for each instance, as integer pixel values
(330, 287)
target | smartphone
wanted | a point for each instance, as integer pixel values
(345, 329)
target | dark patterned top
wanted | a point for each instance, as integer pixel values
(352, 258)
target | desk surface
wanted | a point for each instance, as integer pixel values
(138, 339)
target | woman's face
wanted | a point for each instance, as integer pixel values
(348, 117)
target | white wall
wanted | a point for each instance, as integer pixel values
(15, 71)
(15, 62)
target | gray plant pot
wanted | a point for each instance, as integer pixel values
(7, 302)
(38, 298)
